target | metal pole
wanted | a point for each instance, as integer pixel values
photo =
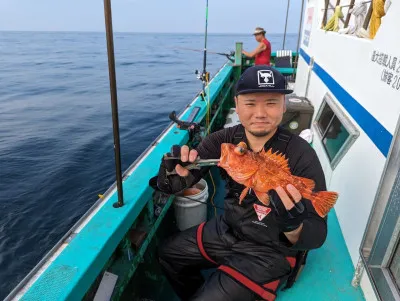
(287, 15)
(205, 52)
(114, 100)
(298, 38)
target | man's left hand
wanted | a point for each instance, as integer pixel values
(287, 202)
(290, 216)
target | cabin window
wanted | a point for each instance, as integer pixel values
(335, 130)
(395, 266)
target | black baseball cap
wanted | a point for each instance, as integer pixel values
(261, 78)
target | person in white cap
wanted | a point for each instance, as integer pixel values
(262, 53)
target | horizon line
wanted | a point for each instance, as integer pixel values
(143, 32)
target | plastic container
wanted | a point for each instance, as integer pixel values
(298, 115)
(189, 211)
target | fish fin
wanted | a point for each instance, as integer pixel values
(323, 201)
(278, 159)
(262, 197)
(243, 194)
(310, 184)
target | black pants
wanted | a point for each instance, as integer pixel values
(182, 261)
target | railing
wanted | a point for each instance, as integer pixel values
(345, 21)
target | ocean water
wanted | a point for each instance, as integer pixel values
(56, 141)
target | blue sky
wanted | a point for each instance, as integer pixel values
(225, 16)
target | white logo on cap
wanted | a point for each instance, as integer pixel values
(266, 78)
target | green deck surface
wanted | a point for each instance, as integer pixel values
(328, 272)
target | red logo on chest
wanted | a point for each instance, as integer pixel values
(261, 211)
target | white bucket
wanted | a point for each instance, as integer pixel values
(190, 213)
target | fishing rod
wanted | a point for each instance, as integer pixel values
(204, 76)
(205, 73)
(114, 100)
(228, 55)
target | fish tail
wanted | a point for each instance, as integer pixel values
(323, 201)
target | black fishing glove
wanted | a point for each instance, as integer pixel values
(288, 220)
(172, 184)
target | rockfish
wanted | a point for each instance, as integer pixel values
(265, 171)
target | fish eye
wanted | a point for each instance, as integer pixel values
(239, 150)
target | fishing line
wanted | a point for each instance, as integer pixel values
(201, 50)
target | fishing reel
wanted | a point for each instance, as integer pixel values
(231, 56)
(204, 76)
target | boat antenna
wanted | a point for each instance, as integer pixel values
(114, 100)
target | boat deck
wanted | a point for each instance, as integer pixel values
(328, 272)
(326, 276)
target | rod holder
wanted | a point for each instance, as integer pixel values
(238, 54)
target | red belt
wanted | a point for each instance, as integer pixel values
(266, 291)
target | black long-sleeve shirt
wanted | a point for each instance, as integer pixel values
(303, 162)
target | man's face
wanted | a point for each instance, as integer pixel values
(259, 37)
(260, 113)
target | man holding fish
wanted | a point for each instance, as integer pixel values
(275, 206)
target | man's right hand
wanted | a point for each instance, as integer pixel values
(184, 178)
(186, 156)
